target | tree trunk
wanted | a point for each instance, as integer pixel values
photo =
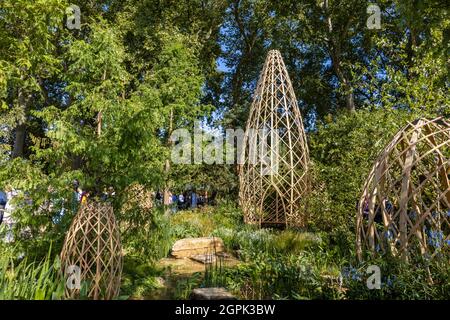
(100, 114)
(99, 123)
(21, 128)
(166, 187)
(76, 162)
(349, 98)
(334, 47)
(19, 141)
(166, 195)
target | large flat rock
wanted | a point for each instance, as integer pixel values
(188, 266)
(211, 294)
(205, 258)
(189, 247)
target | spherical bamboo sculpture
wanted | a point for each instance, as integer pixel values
(405, 206)
(92, 246)
(274, 162)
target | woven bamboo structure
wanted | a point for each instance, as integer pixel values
(404, 209)
(93, 244)
(138, 195)
(137, 208)
(274, 162)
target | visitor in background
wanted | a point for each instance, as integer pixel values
(78, 190)
(7, 215)
(389, 207)
(158, 198)
(366, 207)
(76, 195)
(104, 196)
(174, 203)
(84, 197)
(108, 194)
(180, 201)
(2, 205)
(51, 204)
(188, 199)
(193, 199)
(10, 195)
(2, 200)
(200, 200)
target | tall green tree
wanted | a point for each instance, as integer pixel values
(29, 35)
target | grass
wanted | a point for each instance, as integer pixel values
(140, 279)
(204, 221)
(24, 280)
(276, 264)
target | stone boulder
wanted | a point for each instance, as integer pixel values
(189, 247)
(211, 294)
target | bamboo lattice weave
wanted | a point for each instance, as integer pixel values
(405, 205)
(272, 187)
(93, 244)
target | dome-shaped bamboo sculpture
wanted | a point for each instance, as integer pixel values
(93, 245)
(272, 186)
(405, 206)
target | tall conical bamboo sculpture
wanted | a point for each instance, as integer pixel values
(93, 248)
(405, 205)
(274, 161)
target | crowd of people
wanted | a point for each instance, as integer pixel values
(189, 199)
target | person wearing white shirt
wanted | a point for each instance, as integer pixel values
(7, 217)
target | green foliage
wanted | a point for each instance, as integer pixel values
(47, 196)
(139, 278)
(276, 265)
(185, 285)
(203, 222)
(281, 277)
(24, 280)
(96, 122)
(295, 242)
(343, 151)
(297, 265)
(153, 241)
(334, 59)
(400, 281)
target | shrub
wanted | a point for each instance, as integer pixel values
(419, 279)
(24, 280)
